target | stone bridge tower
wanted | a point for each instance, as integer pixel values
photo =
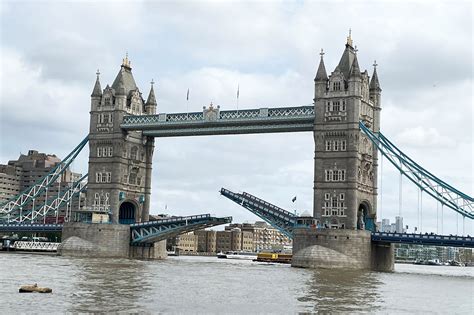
(345, 172)
(119, 162)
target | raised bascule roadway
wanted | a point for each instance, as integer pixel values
(341, 232)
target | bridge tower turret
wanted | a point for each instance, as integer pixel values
(119, 161)
(345, 177)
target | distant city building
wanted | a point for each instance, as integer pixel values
(229, 240)
(10, 177)
(396, 227)
(246, 237)
(183, 243)
(206, 241)
(410, 253)
(264, 236)
(22, 174)
(399, 224)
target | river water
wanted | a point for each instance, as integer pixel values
(208, 285)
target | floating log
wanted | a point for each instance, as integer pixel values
(34, 288)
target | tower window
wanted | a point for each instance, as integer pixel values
(343, 106)
(336, 145)
(134, 153)
(328, 145)
(336, 86)
(335, 106)
(107, 101)
(326, 196)
(328, 175)
(343, 145)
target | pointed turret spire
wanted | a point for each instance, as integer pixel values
(124, 81)
(151, 96)
(374, 82)
(97, 89)
(355, 70)
(349, 38)
(347, 58)
(321, 74)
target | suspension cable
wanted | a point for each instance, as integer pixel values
(418, 209)
(457, 223)
(400, 196)
(381, 186)
(463, 225)
(421, 210)
(442, 221)
(437, 216)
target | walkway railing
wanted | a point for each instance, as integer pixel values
(36, 246)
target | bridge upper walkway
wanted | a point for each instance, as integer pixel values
(213, 121)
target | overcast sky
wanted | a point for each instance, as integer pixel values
(50, 52)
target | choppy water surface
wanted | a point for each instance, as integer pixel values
(210, 285)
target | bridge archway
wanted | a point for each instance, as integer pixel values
(127, 212)
(364, 220)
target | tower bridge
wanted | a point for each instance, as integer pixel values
(344, 118)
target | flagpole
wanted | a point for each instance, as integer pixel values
(238, 93)
(296, 204)
(187, 104)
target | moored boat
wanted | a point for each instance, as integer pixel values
(237, 255)
(274, 257)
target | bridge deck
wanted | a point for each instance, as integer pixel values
(424, 239)
(154, 231)
(31, 227)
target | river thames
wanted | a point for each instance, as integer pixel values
(208, 285)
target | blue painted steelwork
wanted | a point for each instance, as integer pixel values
(427, 182)
(216, 122)
(154, 231)
(31, 227)
(277, 217)
(20, 200)
(424, 239)
(52, 205)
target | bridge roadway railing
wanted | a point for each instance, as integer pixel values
(424, 239)
(36, 246)
(31, 227)
(155, 231)
(277, 217)
(209, 122)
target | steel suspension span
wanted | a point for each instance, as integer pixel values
(427, 182)
(52, 205)
(20, 200)
(279, 218)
